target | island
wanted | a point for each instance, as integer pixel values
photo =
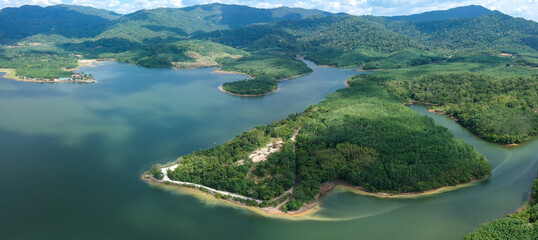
(264, 73)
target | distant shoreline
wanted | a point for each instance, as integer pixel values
(10, 73)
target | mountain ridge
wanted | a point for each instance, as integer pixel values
(470, 11)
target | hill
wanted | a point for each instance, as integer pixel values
(470, 11)
(375, 42)
(64, 20)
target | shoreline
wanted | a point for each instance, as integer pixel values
(246, 95)
(10, 74)
(218, 70)
(308, 209)
(371, 70)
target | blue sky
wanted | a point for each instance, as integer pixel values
(520, 8)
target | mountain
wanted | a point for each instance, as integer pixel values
(65, 20)
(177, 23)
(494, 31)
(470, 11)
(161, 23)
(318, 39)
(110, 15)
(357, 40)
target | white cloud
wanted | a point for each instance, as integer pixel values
(518, 8)
(17, 3)
(105, 4)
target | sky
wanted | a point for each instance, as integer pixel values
(518, 8)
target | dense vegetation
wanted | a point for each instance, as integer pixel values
(332, 40)
(364, 136)
(521, 225)
(265, 70)
(356, 41)
(361, 135)
(251, 87)
(502, 110)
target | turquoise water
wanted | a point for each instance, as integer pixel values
(71, 156)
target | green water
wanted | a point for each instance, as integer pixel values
(71, 156)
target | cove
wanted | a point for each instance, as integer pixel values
(71, 156)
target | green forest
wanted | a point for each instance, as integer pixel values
(501, 110)
(522, 224)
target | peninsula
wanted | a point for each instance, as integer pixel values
(303, 159)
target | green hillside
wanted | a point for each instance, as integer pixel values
(471, 11)
(182, 55)
(176, 23)
(65, 20)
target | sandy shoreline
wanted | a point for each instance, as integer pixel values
(309, 209)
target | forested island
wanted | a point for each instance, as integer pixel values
(481, 69)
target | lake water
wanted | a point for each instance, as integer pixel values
(71, 156)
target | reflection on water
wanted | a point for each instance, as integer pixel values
(71, 156)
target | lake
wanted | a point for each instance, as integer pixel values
(71, 157)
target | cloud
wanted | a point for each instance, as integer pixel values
(17, 3)
(518, 8)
